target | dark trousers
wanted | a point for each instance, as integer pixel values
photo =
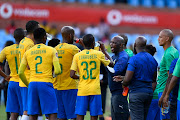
(103, 96)
(119, 108)
(173, 110)
(139, 104)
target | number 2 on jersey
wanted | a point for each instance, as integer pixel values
(87, 71)
(36, 67)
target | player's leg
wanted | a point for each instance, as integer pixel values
(13, 105)
(61, 110)
(81, 106)
(14, 116)
(80, 117)
(33, 117)
(53, 116)
(95, 106)
(154, 111)
(24, 95)
(94, 117)
(48, 99)
(69, 100)
(33, 101)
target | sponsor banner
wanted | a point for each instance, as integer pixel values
(79, 14)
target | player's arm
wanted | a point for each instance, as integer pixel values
(172, 84)
(154, 80)
(22, 68)
(103, 49)
(2, 58)
(74, 68)
(57, 69)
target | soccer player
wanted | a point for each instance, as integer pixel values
(10, 53)
(24, 45)
(88, 64)
(173, 83)
(170, 53)
(67, 87)
(128, 51)
(40, 59)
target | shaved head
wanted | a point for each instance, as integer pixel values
(116, 44)
(141, 42)
(67, 29)
(168, 33)
(68, 34)
(119, 39)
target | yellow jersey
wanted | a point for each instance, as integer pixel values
(66, 53)
(11, 54)
(24, 45)
(40, 60)
(88, 62)
(55, 84)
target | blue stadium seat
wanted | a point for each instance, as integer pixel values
(159, 3)
(147, 3)
(96, 1)
(83, 1)
(172, 4)
(134, 2)
(70, 1)
(109, 2)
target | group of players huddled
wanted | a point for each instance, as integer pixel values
(60, 80)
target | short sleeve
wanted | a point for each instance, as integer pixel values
(172, 66)
(2, 55)
(24, 59)
(75, 50)
(177, 69)
(169, 58)
(131, 64)
(74, 65)
(103, 60)
(55, 55)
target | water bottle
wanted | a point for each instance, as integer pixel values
(166, 110)
(77, 40)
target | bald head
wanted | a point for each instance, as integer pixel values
(140, 42)
(168, 33)
(119, 39)
(67, 34)
(116, 44)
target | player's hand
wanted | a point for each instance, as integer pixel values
(102, 46)
(160, 102)
(165, 101)
(118, 78)
(7, 78)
